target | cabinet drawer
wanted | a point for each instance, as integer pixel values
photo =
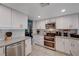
(49, 44)
(51, 34)
(50, 39)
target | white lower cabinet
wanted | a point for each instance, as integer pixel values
(69, 46)
(72, 46)
(63, 44)
(28, 46)
(2, 52)
(75, 47)
(60, 44)
(38, 39)
(41, 40)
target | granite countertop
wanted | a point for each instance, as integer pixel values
(14, 40)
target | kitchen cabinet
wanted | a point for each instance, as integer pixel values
(47, 21)
(52, 20)
(19, 20)
(5, 17)
(28, 46)
(10, 19)
(2, 52)
(71, 46)
(40, 24)
(41, 40)
(73, 21)
(67, 45)
(34, 39)
(67, 22)
(63, 45)
(60, 23)
(75, 47)
(34, 24)
(38, 39)
(60, 44)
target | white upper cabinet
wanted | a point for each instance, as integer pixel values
(10, 19)
(73, 21)
(67, 22)
(19, 20)
(5, 17)
(40, 24)
(37, 24)
(52, 20)
(34, 24)
(60, 23)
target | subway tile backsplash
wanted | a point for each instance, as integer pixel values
(15, 33)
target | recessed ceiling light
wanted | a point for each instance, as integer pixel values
(39, 16)
(63, 10)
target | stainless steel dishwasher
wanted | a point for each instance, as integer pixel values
(15, 49)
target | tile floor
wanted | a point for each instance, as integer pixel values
(41, 51)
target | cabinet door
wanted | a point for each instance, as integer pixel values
(67, 45)
(52, 20)
(19, 20)
(47, 21)
(35, 39)
(41, 40)
(34, 24)
(67, 22)
(43, 24)
(38, 40)
(5, 17)
(60, 44)
(38, 25)
(73, 19)
(75, 47)
(59, 23)
(28, 47)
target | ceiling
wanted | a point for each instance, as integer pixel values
(33, 10)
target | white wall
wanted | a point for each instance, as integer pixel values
(15, 33)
